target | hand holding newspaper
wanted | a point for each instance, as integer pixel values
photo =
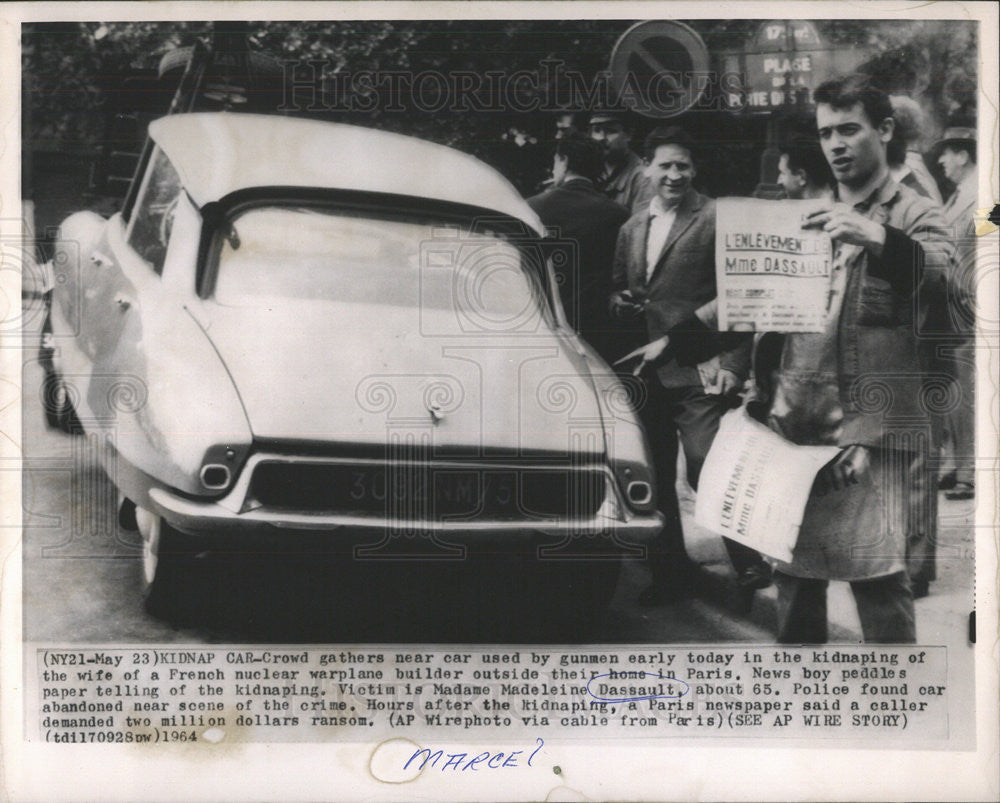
(772, 273)
(754, 485)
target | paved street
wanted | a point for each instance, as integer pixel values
(81, 579)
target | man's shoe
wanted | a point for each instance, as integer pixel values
(962, 490)
(947, 481)
(754, 578)
(751, 580)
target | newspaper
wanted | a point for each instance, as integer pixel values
(290, 662)
(773, 275)
(742, 496)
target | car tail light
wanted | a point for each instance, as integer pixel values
(639, 493)
(636, 483)
(215, 476)
(220, 466)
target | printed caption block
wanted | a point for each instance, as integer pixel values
(349, 694)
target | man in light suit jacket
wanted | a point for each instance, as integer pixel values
(664, 270)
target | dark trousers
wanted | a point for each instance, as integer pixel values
(689, 417)
(921, 514)
(960, 424)
(885, 607)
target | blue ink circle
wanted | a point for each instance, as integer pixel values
(687, 688)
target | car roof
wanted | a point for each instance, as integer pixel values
(216, 153)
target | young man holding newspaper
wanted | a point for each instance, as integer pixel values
(860, 383)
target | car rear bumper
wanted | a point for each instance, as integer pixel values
(216, 519)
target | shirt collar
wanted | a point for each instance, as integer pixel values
(882, 194)
(658, 209)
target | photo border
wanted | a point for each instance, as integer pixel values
(635, 771)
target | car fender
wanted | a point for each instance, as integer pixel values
(625, 441)
(72, 265)
(171, 404)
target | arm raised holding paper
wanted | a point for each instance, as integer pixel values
(844, 223)
(909, 252)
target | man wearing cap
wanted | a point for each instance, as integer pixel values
(957, 157)
(623, 179)
(664, 270)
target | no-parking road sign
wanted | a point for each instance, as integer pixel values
(659, 68)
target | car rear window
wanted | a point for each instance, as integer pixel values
(315, 254)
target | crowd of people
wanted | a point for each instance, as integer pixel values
(901, 272)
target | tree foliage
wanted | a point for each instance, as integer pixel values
(73, 70)
(933, 61)
(70, 69)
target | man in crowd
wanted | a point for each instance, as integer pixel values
(907, 168)
(664, 269)
(957, 157)
(566, 125)
(623, 178)
(803, 171)
(906, 163)
(859, 384)
(587, 224)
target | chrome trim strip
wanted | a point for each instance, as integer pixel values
(192, 516)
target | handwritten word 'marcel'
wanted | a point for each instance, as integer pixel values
(462, 762)
(612, 690)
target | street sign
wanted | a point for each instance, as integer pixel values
(776, 78)
(784, 35)
(783, 63)
(659, 68)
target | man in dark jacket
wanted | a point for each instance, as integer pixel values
(585, 224)
(664, 270)
(623, 176)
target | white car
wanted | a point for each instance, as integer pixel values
(299, 325)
